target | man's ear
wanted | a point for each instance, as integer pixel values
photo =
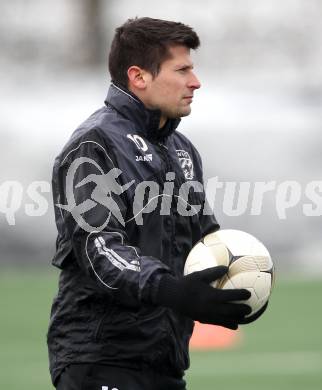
(137, 77)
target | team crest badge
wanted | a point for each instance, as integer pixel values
(186, 164)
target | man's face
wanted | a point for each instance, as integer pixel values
(171, 91)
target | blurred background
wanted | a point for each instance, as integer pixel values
(257, 118)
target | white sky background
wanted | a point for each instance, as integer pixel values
(256, 117)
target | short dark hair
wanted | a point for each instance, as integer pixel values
(144, 42)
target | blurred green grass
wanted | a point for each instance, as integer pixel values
(282, 350)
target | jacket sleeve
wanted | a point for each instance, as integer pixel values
(93, 207)
(208, 221)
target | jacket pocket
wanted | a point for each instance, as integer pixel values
(114, 323)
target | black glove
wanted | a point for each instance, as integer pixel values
(255, 316)
(193, 297)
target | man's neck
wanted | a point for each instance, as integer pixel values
(163, 121)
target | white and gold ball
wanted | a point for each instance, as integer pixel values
(249, 261)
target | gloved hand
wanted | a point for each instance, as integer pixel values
(254, 317)
(194, 297)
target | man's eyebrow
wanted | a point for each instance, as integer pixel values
(184, 66)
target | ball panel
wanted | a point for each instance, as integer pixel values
(220, 253)
(211, 239)
(258, 283)
(251, 263)
(262, 286)
(241, 243)
(201, 257)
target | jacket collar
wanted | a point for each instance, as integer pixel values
(131, 107)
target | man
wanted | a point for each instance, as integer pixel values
(129, 208)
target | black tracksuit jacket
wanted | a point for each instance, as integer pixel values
(115, 239)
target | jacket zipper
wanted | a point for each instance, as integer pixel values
(99, 327)
(164, 151)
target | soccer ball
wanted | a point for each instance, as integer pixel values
(250, 264)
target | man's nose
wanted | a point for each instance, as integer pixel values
(194, 82)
